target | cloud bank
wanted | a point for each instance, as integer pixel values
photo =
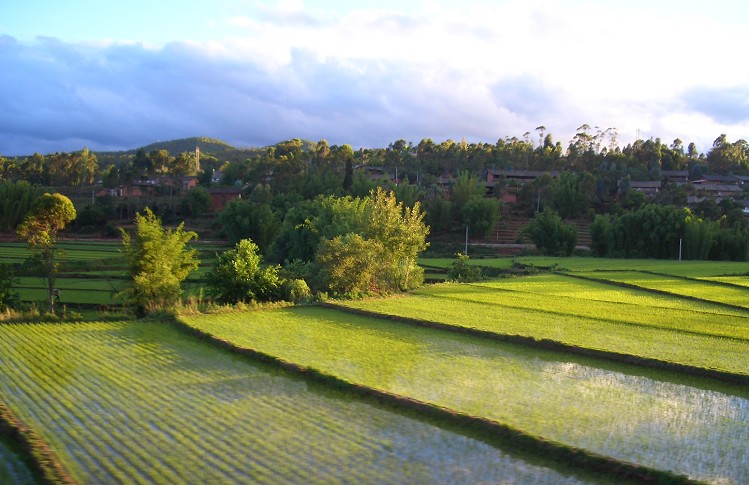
(369, 77)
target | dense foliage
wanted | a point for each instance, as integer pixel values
(550, 234)
(8, 295)
(158, 261)
(655, 231)
(238, 276)
(462, 271)
(288, 185)
(16, 200)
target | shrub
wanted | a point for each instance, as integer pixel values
(463, 272)
(297, 291)
(239, 277)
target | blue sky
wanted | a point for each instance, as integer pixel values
(119, 75)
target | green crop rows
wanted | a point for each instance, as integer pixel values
(652, 418)
(131, 402)
(136, 402)
(677, 268)
(572, 312)
(91, 273)
(706, 290)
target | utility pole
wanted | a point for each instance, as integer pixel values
(197, 160)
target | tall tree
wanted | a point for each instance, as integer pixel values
(159, 261)
(402, 232)
(49, 215)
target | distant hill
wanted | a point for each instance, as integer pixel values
(208, 146)
(174, 147)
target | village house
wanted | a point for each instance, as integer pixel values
(220, 196)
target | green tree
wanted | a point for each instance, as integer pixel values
(247, 219)
(550, 235)
(350, 265)
(239, 277)
(197, 201)
(8, 281)
(699, 236)
(402, 233)
(309, 222)
(16, 200)
(48, 216)
(480, 215)
(158, 262)
(466, 187)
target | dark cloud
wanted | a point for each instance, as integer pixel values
(59, 96)
(724, 105)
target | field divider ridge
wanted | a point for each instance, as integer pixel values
(492, 432)
(44, 463)
(554, 345)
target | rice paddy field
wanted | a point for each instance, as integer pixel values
(662, 420)
(132, 402)
(92, 273)
(596, 314)
(148, 402)
(671, 267)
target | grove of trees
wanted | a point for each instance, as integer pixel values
(331, 218)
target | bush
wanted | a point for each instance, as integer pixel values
(297, 291)
(463, 272)
(238, 276)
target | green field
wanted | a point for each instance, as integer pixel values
(135, 402)
(658, 419)
(672, 267)
(574, 312)
(91, 273)
(704, 289)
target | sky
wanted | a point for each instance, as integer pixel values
(122, 74)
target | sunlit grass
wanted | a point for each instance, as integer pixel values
(651, 418)
(134, 402)
(702, 289)
(571, 311)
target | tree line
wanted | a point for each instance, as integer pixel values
(591, 150)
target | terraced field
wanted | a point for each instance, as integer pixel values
(91, 273)
(672, 267)
(663, 420)
(587, 315)
(713, 291)
(131, 402)
(136, 402)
